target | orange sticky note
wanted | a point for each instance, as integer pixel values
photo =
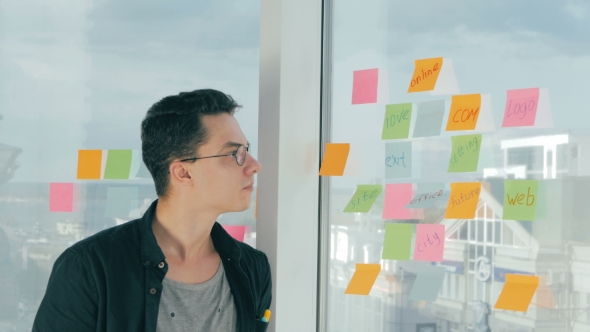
(89, 164)
(464, 112)
(335, 158)
(425, 74)
(463, 200)
(363, 279)
(517, 293)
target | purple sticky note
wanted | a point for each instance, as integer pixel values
(364, 86)
(61, 197)
(237, 232)
(397, 196)
(430, 242)
(521, 107)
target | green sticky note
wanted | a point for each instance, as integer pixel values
(397, 121)
(364, 197)
(464, 153)
(118, 164)
(397, 242)
(520, 199)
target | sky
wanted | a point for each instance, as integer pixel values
(81, 74)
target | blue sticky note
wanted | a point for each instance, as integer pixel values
(428, 283)
(120, 200)
(429, 118)
(429, 195)
(398, 160)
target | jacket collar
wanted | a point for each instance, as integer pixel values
(152, 255)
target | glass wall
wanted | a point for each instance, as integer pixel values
(489, 49)
(80, 75)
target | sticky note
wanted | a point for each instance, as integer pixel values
(89, 164)
(463, 200)
(521, 107)
(335, 158)
(143, 172)
(397, 196)
(429, 118)
(464, 153)
(429, 242)
(425, 74)
(398, 160)
(61, 197)
(429, 195)
(520, 199)
(465, 110)
(428, 283)
(544, 296)
(397, 241)
(396, 124)
(236, 231)
(118, 164)
(363, 279)
(364, 86)
(364, 198)
(120, 200)
(517, 292)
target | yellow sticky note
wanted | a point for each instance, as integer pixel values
(425, 74)
(463, 200)
(335, 158)
(517, 293)
(464, 112)
(89, 164)
(363, 279)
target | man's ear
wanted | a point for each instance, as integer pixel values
(179, 173)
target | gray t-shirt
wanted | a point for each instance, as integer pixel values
(208, 306)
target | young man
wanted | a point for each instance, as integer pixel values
(175, 269)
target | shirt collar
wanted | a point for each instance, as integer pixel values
(152, 255)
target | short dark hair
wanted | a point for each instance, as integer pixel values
(173, 129)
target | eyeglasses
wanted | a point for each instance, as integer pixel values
(239, 154)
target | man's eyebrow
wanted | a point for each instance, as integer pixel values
(231, 144)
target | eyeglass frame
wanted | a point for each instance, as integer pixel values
(233, 154)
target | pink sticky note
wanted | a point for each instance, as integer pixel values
(430, 242)
(61, 197)
(521, 107)
(364, 86)
(237, 232)
(397, 196)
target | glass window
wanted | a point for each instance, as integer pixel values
(77, 75)
(493, 48)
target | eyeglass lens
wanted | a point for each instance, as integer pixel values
(241, 155)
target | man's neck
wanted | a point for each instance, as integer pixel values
(182, 232)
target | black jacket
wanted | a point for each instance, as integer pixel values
(112, 281)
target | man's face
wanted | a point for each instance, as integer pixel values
(220, 184)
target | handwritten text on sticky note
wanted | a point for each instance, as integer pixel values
(397, 121)
(463, 200)
(464, 112)
(464, 153)
(430, 242)
(398, 160)
(520, 199)
(521, 107)
(364, 198)
(425, 74)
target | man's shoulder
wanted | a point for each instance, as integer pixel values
(110, 238)
(253, 257)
